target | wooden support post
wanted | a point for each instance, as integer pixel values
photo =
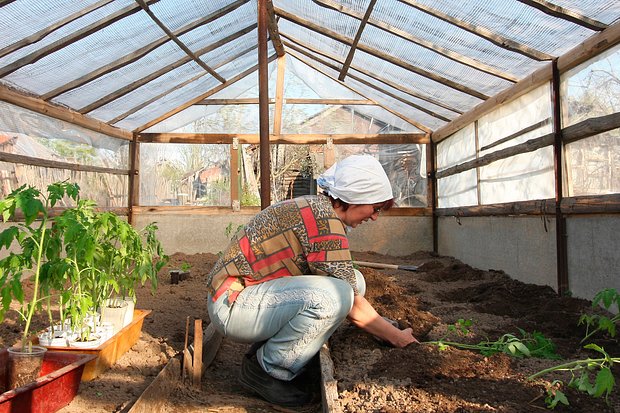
(187, 358)
(197, 359)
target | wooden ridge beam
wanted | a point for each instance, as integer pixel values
(35, 37)
(253, 138)
(289, 101)
(381, 55)
(140, 53)
(176, 87)
(565, 14)
(272, 26)
(482, 32)
(70, 39)
(450, 54)
(356, 39)
(202, 96)
(374, 77)
(178, 42)
(152, 76)
(58, 112)
(371, 85)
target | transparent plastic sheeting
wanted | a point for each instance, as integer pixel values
(404, 164)
(181, 174)
(591, 89)
(31, 134)
(105, 189)
(460, 189)
(593, 165)
(457, 190)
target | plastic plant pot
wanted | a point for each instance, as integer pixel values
(24, 365)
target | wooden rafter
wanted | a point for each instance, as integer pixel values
(288, 101)
(178, 42)
(376, 78)
(277, 113)
(49, 163)
(274, 33)
(369, 84)
(70, 39)
(358, 36)
(140, 53)
(450, 54)
(35, 37)
(202, 96)
(141, 82)
(57, 112)
(397, 114)
(5, 2)
(175, 87)
(381, 55)
(482, 32)
(565, 14)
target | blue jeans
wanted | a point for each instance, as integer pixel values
(293, 315)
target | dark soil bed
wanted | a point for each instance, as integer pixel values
(371, 377)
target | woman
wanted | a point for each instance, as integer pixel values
(286, 281)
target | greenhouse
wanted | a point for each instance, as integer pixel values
(170, 126)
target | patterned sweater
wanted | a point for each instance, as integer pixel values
(301, 236)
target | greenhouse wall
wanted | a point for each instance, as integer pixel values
(191, 234)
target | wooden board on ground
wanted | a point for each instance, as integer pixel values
(155, 397)
(329, 389)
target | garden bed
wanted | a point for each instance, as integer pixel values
(371, 377)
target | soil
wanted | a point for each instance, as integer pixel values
(372, 377)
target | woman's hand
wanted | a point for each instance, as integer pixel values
(364, 316)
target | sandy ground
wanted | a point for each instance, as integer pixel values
(371, 377)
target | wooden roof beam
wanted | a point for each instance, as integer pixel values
(203, 96)
(452, 55)
(381, 55)
(358, 35)
(371, 85)
(140, 53)
(179, 43)
(35, 37)
(141, 82)
(565, 14)
(172, 89)
(377, 78)
(272, 26)
(482, 32)
(70, 39)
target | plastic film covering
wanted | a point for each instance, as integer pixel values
(302, 81)
(404, 164)
(179, 174)
(605, 12)
(28, 133)
(593, 165)
(459, 148)
(459, 189)
(592, 89)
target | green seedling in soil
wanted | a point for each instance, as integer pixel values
(529, 345)
(596, 323)
(185, 267)
(555, 395)
(461, 326)
(592, 376)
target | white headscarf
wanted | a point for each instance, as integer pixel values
(358, 179)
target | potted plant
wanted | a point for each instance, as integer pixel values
(33, 250)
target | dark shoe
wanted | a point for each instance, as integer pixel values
(280, 392)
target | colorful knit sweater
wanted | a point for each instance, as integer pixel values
(301, 236)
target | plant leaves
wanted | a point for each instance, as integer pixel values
(604, 382)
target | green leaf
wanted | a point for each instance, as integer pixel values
(604, 382)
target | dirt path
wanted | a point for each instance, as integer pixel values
(371, 377)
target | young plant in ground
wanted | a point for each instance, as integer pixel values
(596, 323)
(185, 267)
(592, 376)
(528, 345)
(34, 248)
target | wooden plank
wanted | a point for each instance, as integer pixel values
(197, 356)
(516, 134)
(329, 385)
(155, 397)
(253, 138)
(450, 54)
(252, 210)
(263, 107)
(482, 32)
(356, 40)
(58, 112)
(211, 342)
(381, 55)
(564, 13)
(592, 204)
(272, 26)
(277, 113)
(46, 163)
(590, 47)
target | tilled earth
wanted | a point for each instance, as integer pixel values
(371, 377)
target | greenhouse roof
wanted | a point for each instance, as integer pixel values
(132, 64)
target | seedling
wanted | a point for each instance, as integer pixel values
(185, 267)
(595, 323)
(592, 376)
(555, 395)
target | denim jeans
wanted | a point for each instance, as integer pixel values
(293, 315)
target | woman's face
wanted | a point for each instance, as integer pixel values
(356, 214)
